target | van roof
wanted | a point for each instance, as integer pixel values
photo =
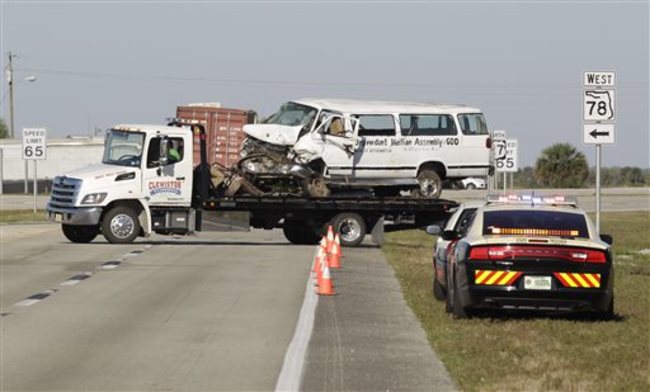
(377, 107)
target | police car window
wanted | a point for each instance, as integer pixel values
(535, 223)
(465, 221)
(174, 155)
(427, 125)
(473, 124)
(376, 125)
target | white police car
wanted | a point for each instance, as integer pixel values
(530, 253)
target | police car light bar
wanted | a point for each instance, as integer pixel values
(532, 199)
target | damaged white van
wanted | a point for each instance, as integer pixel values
(320, 146)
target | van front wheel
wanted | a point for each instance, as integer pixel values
(430, 184)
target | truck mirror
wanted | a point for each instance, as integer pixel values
(164, 151)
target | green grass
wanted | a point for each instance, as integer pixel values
(22, 216)
(532, 352)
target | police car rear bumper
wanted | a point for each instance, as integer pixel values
(556, 300)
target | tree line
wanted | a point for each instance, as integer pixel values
(563, 166)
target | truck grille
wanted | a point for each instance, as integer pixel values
(64, 191)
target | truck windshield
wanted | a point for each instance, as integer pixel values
(473, 124)
(123, 148)
(292, 114)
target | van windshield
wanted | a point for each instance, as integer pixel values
(292, 114)
(123, 148)
(473, 124)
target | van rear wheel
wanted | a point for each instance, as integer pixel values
(430, 184)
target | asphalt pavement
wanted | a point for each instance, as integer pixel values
(216, 311)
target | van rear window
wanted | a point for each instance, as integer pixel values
(473, 124)
(535, 223)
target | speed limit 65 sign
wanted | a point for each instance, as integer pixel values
(34, 143)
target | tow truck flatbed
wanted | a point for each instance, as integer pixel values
(304, 219)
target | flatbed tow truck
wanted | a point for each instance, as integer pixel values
(138, 189)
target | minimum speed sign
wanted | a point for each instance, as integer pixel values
(34, 143)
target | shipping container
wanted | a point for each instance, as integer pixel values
(224, 128)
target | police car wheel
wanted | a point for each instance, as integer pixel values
(80, 234)
(438, 290)
(120, 225)
(607, 314)
(456, 308)
(430, 184)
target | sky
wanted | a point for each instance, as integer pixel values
(100, 63)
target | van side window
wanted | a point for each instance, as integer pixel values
(427, 125)
(174, 155)
(376, 125)
(473, 124)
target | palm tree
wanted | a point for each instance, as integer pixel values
(561, 166)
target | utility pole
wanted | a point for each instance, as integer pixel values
(10, 79)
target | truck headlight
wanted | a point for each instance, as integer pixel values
(93, 198)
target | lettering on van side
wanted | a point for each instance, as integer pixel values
(406, 141)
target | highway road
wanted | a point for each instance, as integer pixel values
(219, 311)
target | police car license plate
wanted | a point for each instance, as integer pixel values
(537, 282)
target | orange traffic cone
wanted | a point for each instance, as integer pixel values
(335, 254)
(330, 238)
(321, 261)
(317, 257)
(325, 286)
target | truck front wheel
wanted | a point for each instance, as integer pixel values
(80, 234)
(120, 225)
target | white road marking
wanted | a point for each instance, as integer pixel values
(27, 302)
(70, 282)
(294, 359)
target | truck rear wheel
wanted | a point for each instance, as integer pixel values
(351, 228)
(299, 233)
(80, 234)
(120, 225)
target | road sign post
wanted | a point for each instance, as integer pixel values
(34, 149)
(599, 116)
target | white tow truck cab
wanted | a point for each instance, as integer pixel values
(386, 146)
(144, 184)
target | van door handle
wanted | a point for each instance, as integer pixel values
(180, 178)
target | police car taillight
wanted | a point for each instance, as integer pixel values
(509, 252)
(488, 143)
